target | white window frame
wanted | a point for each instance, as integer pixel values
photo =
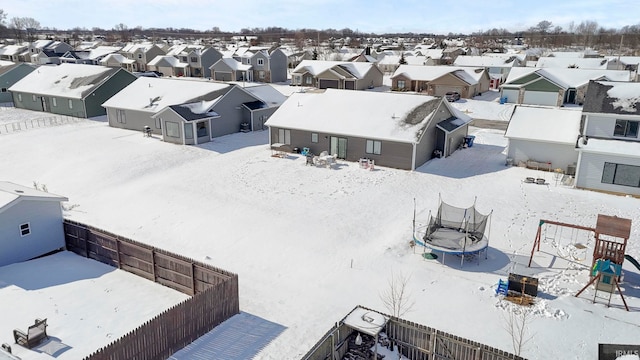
(401, 84)
(172, 129)
(373, 147)
(314, 137)
(260, 62)
(25, 229)
(54, 101)
(159, 123)
(309, 80)
(121, 116)
(70, 104)
(19, 97)
(33, 97)
(627, 127)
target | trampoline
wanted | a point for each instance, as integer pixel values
(456, 231)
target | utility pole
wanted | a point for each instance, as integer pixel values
(620, 51)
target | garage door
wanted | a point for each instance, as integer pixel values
(511, 95)
(326, 84)
(350, 85)
(540, 98)
(222, 76)
(443, 89)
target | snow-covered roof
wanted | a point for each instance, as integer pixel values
(167, 61)
(267, 93)
(373, 115)
(154, 94)
(365, 321)
(6, 63)
(428, 73)
(11, 49)
(567, 62)
(131, 48)
(118, 58)
(315, 67)
(570, 77)
(10, 192)
(554, 125)
(626, 95)
(101, 51)
(486, 61)
(628, 60)
(611, 147)
(235, 64)
(65, 80)
(196, 110)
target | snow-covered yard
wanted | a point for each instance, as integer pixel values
(311, 243)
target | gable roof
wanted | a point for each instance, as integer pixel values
(486, 61)
(74, 81)
(316, 67)
(568, 62)
(154, 94)
(167, 61)
(234, 64)
(373, 115)
(197, 110)
(546, 124)
(7, 68)
(612, 98)
(267, 94)
(569, 77)
(11, 193)
(121, 59)
(428, 73)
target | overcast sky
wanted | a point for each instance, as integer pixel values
(420, 16)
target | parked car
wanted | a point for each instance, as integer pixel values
(452, 96)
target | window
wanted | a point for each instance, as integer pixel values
(139, 56)
(284, 136)
(626, 128)
(620, 174)
(4, 89)
(314, 137)
(194, 59)
(158, 123)
(33, 97)
(183, 59)
(188, 131)
(25, 229)
(173, 129)
(373, 147)
(260, 62)
(121, 116)
(70, 104)
(202, 129)
(308, 80)
(401, 84)
(19, 97)
(54, 101)
(261, 74)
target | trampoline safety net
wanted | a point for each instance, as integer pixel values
(468, 223)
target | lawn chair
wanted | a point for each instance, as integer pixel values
(34, 335)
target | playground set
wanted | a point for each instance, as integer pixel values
(611, 234)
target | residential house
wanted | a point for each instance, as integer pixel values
(135, 106)
(544, 137)
(450, 54)
(10, 74)
(51, 53)
(169, 65)
(30, 55)
(230, 69)
(69, 89)
(498, 67)
(11, 52)
(395, 130)
(554, 86)
(630, 63)
(141, 53)
(438, 80)
(432, 56)
(267, 64)
(337, 75)
(30, 223)
(609, 147)
(390, 63)
(199, 57)
(119, 61)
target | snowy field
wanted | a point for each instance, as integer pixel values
(311, 243)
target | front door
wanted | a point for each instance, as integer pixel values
(44, 104)
(571, 96)
(339, 147)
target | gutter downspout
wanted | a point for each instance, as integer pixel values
(413, 157)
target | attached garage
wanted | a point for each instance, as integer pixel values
(327, 83)
(350, 84)
(440, 90)
(541, 98)
(222, 76)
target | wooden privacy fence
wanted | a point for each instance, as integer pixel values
(414, 341)
(215, 295)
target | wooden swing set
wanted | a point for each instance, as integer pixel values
(611, 235)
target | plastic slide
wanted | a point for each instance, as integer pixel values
(633, 261)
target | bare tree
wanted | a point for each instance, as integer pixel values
(516, 323)
(123, 30)
(395, 297)
(3, 16)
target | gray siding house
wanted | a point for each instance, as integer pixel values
(337, 75)
(395, 130)
(69, 89)
(609, 147)
(269, 66)
(230, 69)
(30, 223)
(10, 75)
(134, 107)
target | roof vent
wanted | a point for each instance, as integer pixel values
(19, 191)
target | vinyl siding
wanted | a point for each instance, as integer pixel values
(559, 155)
(590, 173)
